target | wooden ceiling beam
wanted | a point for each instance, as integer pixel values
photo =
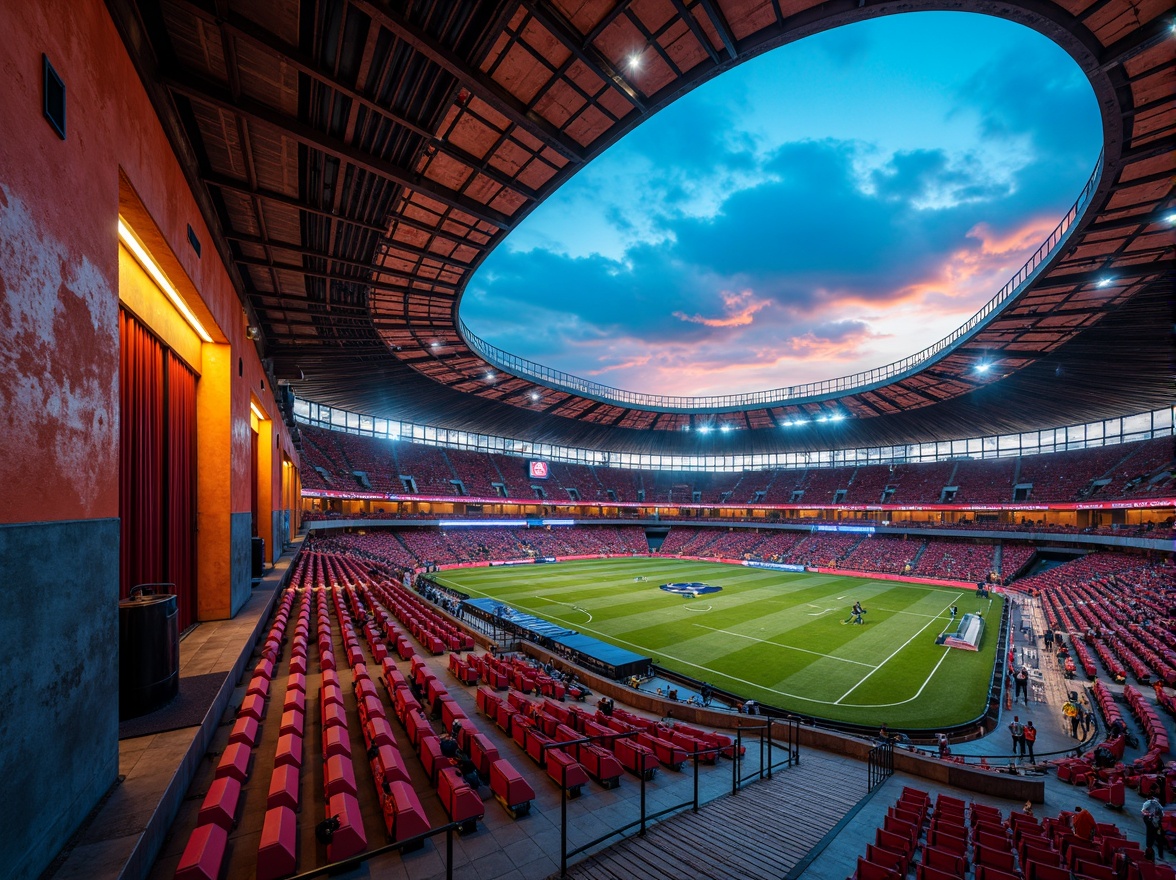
(197, 88)
(721, 26)
(563, 30)
(485, 89)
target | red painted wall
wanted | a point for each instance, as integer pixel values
(59, 205)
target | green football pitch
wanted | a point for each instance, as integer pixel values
(777, 637)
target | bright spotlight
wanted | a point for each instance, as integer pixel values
(704, 429)
(983, 368)
(634, 62)
(725, 428)
(1103, 282)
(1171, 219)
(534, 395)
(839, 417)
(434, 345)
(489, 377)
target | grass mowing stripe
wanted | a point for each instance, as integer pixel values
(789, 647)
(743, 638)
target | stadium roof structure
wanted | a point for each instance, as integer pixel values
(360, 158)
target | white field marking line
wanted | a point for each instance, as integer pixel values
(819, 613)
(569, 605)
(778, 645)
(892, 656)
(696, 608)
(912, 613)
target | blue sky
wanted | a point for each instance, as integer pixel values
(831, 206)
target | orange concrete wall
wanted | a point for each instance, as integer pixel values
(59, 202)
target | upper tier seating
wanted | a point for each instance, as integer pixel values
(985, 482)
(331, 458)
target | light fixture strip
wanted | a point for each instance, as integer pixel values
(256, 411)
(128, 238)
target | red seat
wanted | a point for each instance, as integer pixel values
(339, 776)
(898, 843)
(945, 861)
(404, 816)
(907, 830)
(289, 750)
(510, 788)
(293, 721)
(1038, 871)
(926, 872)
(949, 842)
(601, 765)
(296, 682)
(334, 715)
(459, 800)
(220, 804)
(204, 853)
(279, 836)
(895, 861)
(253, 705)
(349, 838)
(482, 752)
(336, 742)
(234, 762)
(244, 731)
(284, 787)
(417, 725)
(635, 757)
(994, 858)
(260, 685)
(378, 732)
(1094, 871)
(566, 771)
(867, 870)
(388, 766)
(431, 758)
(984, 872)
(295, 699)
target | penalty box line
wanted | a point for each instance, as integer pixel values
(896, 652)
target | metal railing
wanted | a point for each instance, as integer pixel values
(879, 764)
(765, 733)
(406, 845)
(775, 751)
(794, 394)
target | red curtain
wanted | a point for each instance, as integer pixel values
(157, 467)
(181, 485)
(141, 477)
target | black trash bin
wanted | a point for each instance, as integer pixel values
(258, 558)
(149, 652)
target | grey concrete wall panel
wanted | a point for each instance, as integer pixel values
(58, 683)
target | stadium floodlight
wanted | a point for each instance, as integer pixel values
(1104, 282)
(983, 367)
(1170, 219)
(725, 428)
(434, 344)
(704, 429)
(534, 395)
(634, 62)
(839, 417)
